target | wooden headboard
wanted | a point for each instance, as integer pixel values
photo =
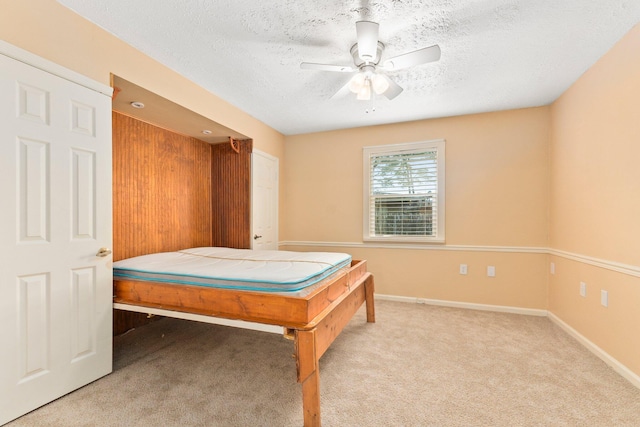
(231, 190)
(161, 189)
(161, 196)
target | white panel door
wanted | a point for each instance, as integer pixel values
(264, 201)
(55, 215)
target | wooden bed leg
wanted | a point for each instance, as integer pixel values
(311, 400)
(368, 295)
(308, 376)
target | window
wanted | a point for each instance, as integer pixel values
(404, 192)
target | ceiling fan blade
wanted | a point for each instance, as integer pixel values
(367, 32)
(344, 91)
(417, 57)
(326, 67)
(394, 88)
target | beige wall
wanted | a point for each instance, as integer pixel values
(496, 178)
(595, 202)
(496, 196)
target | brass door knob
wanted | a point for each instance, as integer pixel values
(103, 252)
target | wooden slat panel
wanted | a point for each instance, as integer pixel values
(161, 189)
(161, 194)
(231, 195)
(127, 320)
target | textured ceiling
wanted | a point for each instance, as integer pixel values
(496, 54)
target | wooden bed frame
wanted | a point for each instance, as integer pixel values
(312, 320)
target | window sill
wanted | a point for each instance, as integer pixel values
(405, 240)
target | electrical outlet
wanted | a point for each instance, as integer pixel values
(463, 268)
(552, 268)
(583, 289)
(604, 298)
(491, 271)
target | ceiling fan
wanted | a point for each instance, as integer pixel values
(370, 76)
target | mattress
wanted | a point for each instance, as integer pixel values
(241, 269)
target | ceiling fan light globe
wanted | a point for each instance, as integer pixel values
(380, 84)
(356, 83)
(365, 93)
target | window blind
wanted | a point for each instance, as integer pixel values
(404, 188)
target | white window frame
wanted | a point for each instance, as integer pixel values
(372, 151)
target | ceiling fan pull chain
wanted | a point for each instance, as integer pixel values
(372, 109)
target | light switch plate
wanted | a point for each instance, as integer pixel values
(604, 298)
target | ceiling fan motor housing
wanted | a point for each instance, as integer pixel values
(359, 62)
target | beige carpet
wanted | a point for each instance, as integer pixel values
(419, 365)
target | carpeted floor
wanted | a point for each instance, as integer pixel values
(419, 365)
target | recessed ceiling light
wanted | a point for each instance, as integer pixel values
(137, 104)
(206, 132)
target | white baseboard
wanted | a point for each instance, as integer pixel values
(625, 372)
(467, 305)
